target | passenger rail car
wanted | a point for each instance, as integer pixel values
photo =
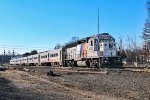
(55, 57)
(23, 61)
(36, 59)
(94, 51)
(44, 58)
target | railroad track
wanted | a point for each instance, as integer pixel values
(82, 70)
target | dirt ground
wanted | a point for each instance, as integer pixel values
(74, 84)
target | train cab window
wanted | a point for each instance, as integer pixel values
(114, 44)
(110, 45)
(91, 43)
(95, 41)
(56, 54)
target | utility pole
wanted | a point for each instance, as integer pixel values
(2, 60)
(13, 53)
(4, 57)
(120, 44)
(98, 20)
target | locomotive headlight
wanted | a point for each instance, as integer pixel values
(119, 60)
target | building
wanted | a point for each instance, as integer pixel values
(5, 59)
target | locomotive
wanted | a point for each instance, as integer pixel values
(95, 51)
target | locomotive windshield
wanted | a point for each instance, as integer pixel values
(106, 38)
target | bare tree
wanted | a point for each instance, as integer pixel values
(146, 34)
(74, 39)
(26, 54)
(33, 52)
(133, 50)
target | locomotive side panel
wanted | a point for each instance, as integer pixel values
(92, 48)
(71, 53)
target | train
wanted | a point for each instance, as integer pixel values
(95, 51)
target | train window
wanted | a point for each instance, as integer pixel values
(95, 41)
(30, 58)
(35, 57)
(50, 55)
(114, 44)
(91, 43)
(110, 45)
(101, 44)
(44, 56)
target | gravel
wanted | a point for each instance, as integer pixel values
(118, 83)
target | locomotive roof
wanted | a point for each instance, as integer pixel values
(100, 36)
(105, 36)
(70, 44)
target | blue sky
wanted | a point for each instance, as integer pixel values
(41, 24)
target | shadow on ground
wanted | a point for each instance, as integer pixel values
(8, 91)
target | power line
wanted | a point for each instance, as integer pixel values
(15, 47)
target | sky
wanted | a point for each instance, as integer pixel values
(26, 25)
